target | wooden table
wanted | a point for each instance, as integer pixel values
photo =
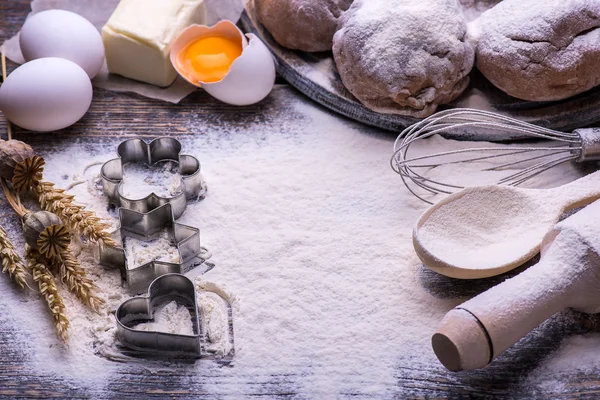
(18, 380)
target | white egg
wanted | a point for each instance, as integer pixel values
(251, 76)
(250, 79)
(46, 94)
(64, 34)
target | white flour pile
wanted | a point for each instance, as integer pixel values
(170, 318)
(215, 311)
(138, 252)
(140, 180)
(310, 232)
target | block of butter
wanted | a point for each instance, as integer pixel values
(138, 35)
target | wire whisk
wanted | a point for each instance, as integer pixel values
(529, 159)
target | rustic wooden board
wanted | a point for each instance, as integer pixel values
(315, 75)
(114, 117)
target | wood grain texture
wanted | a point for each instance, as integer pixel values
(114, 117)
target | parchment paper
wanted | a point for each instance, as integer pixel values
(98, 12)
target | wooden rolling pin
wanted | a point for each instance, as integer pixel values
(568, 275)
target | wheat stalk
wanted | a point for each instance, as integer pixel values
(28, 175)
(48, 288)
(75, 216)
(12, 263)
(74, 276)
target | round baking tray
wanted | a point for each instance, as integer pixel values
(315, 75)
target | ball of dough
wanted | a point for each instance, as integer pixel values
(541, 50)
(403, 56)
(306, 25)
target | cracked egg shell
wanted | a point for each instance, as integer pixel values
(220, 59)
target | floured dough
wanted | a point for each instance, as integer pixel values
(541, 50)
(403, 56)
(306, 25)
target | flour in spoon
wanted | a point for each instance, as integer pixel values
(484, 229)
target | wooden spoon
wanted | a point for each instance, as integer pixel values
(485, 231)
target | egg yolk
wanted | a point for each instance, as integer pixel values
(208, 59)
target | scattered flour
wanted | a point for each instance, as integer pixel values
(472, 9)
(322, 73)
(308, 227)
(576, 354)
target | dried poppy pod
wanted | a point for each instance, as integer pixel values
(12, 152)
(28, 173)
(45, 232)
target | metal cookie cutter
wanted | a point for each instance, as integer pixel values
(147, 227)
(170, 287)
(161, 149)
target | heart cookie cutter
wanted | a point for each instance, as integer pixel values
(166, 288)
(158, 150)
(160, 345)
(148, 227)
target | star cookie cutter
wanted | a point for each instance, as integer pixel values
(167, 288)
(148, 227)
(160, 149)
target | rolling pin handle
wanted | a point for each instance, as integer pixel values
(462, 342)
(478, 330)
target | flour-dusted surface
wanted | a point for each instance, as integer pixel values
(322, 73)
(310, 232)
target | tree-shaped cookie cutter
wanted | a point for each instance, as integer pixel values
(160, 149)
(147, 227)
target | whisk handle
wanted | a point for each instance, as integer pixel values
(590, 144)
